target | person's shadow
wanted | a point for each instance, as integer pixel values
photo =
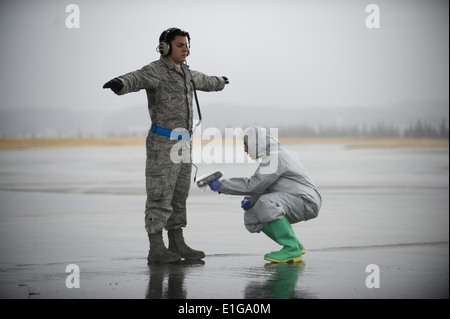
(166, 281)
(280, 282)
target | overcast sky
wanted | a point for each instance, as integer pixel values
(288, 53)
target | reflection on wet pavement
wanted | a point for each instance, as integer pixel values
(280, 282)
(274, 281)
(166, 281)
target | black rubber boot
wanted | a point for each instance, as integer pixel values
(158, 252)
(177, 245)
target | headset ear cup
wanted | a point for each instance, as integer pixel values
(164, 48)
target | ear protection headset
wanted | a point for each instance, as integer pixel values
(164, 46)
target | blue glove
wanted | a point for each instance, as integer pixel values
(215, 185)
(245, 204)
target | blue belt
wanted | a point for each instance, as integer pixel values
(169, 133)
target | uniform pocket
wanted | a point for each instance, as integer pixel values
(156, 186)
(156, 172)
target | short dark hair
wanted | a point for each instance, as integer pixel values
(170, 34)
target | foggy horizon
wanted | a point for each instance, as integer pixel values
(392, 121)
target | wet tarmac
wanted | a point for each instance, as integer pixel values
(382, 231)
(413, 271)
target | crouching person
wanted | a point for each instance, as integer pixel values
(279, 194)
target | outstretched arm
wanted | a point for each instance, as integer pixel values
(144, 78)
(208, 83)
(255, 185)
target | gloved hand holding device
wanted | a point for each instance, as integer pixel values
(215, 185)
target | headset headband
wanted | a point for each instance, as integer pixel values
(170, 30)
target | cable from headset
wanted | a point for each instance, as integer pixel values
(196, 170)
(199, 116)
(198, 105)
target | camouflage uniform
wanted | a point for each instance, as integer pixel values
(169, 94)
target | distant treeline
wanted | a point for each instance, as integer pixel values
(416, 130)
(419, 129)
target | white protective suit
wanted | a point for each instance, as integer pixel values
(279, 187)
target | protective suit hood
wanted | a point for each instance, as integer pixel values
(260, 141)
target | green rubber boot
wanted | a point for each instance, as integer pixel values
(300, 246)
(281, 232)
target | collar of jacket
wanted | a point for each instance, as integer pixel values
(170, 65)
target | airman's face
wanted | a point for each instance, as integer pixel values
(180, 50)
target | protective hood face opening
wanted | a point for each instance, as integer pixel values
(260, 142)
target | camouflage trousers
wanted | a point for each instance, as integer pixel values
(167, 185)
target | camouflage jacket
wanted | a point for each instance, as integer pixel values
(169, 94)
